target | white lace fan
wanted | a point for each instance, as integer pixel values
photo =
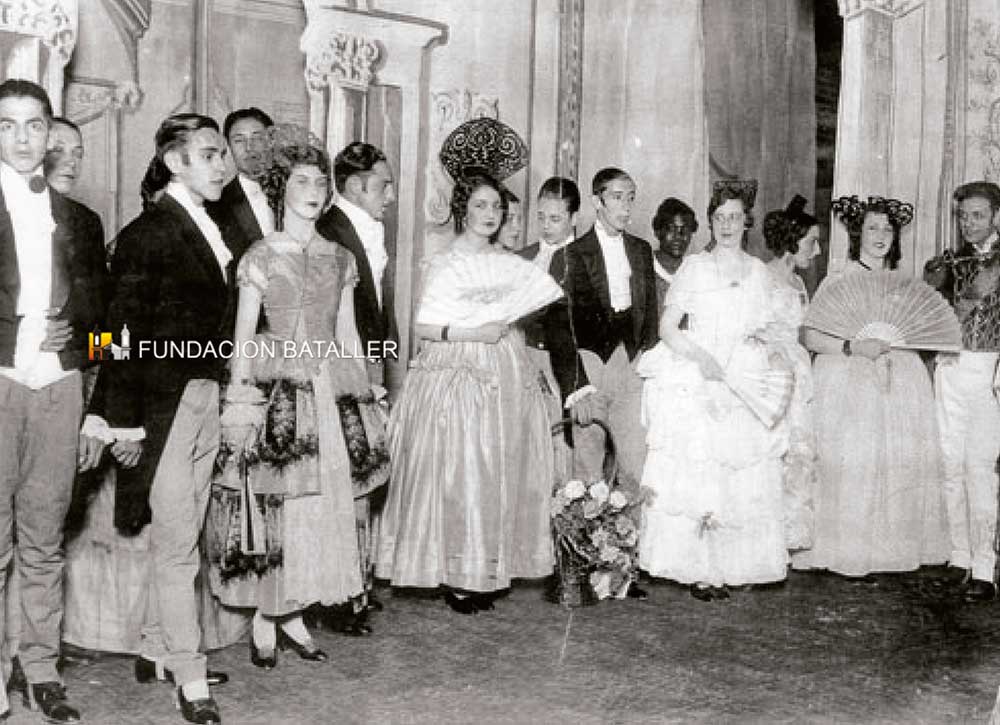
(482, 288)
(766, 391)
(908, 313)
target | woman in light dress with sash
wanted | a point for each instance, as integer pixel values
(470, 445)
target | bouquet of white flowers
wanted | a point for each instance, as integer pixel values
(596, 530)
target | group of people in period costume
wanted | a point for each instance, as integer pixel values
(264, 490)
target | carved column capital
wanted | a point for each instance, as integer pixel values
(892, 8)
(346, 59)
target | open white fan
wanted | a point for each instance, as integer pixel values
(483, 288)
(766, 391)
(908, 313)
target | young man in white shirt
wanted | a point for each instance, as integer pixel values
(52, 294)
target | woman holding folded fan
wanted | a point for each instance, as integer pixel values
(714, 460)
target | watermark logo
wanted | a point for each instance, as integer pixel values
(101, 346)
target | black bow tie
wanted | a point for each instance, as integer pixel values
(37, 184)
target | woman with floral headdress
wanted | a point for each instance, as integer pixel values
(879, 504)
(471, 451)
(299, 425)
(714, 466)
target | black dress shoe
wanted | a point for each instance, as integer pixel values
(484, 600)
(374, 604)
(313, 655)
(719, 592)
(145, 671)
(265, 663)
(703, 594)
(980, 591)
(956, 575)
(17, 682)
(344, 620)
(201, 711)
(462, 605)
(637, 592)
(50, 699)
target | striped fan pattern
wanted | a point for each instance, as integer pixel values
(483, 288)
(908, 313)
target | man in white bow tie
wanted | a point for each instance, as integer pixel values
(52, 293)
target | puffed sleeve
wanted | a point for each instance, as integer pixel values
(253, 268)
(680, 294)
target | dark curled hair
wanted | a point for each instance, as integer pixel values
(289, 146)
(665, 213)
(472, 178)
(242, 113)
(173, 134)
(781, 234)
(355, 158)
(21, 88)
(558, 187)
(852, 212)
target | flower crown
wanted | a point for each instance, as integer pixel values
(851, 210)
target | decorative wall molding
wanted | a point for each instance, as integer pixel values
(983, 103)
(895, 8)
(131, 19)
(348, 49)
(449, 110)
(346, 59)
(289, 12)
(54, 22)
(570, 87)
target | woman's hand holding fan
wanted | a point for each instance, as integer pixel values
(479, 289)
(901, 312)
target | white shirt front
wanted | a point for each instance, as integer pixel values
(371, 232)
(546, 251)
(258, 204)
(617, 266)
(206, 226)
(32, 224)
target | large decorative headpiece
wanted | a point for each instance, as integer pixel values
(486, 143)
(851, 210)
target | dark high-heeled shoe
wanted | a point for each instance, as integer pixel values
(266, 663)
(462, 605)
(484, 600)
(313, 655)
(703, 594)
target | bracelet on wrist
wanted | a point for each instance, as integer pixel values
(846, 348)
(444, 334)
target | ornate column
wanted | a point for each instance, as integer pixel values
(350, 49)
(864, 111)
(49, 36)
(334, 64)
(570, 87)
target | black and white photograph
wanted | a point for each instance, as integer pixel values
(499, 362)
